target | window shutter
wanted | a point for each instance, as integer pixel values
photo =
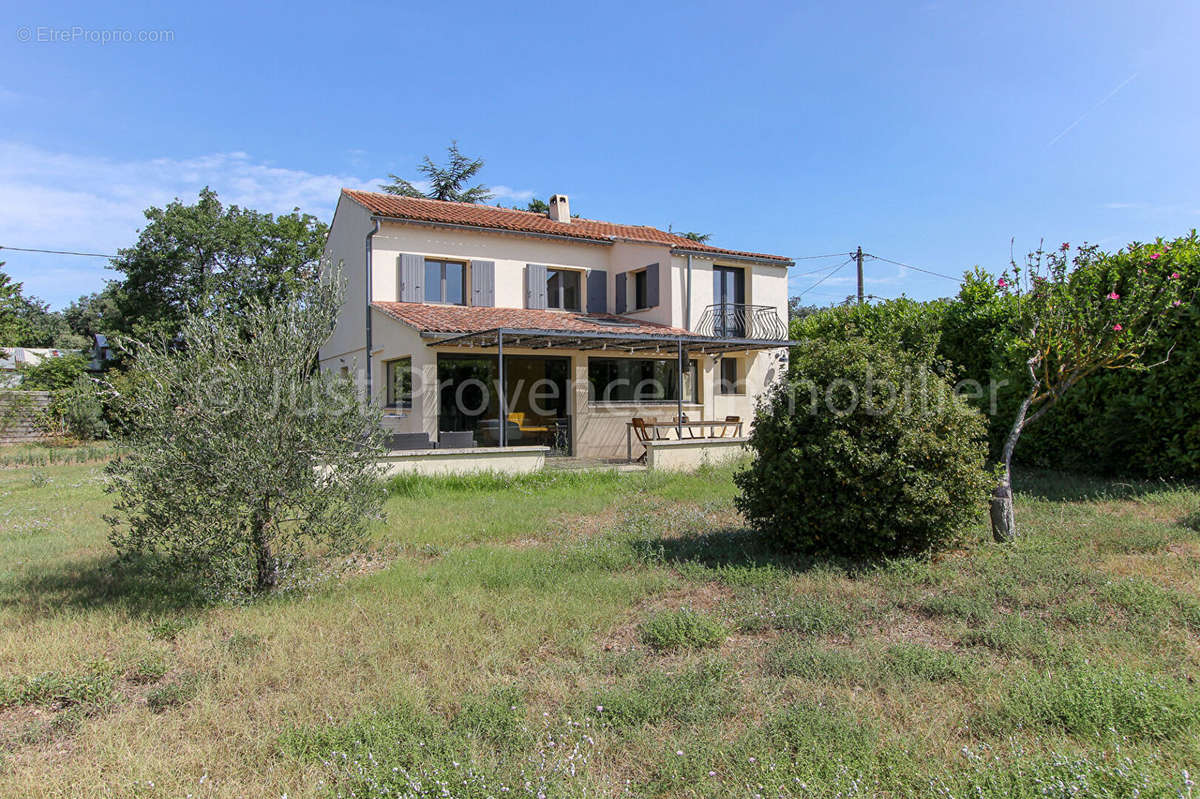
(535, 286)
(597, 291)
(621, 293)
(483, 283)
(651, 285)
(412, 278)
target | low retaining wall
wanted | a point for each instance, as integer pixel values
(19, 412)
(509, 460)
(689, 454)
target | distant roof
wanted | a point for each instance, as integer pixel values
(493, 217)
(474, 319)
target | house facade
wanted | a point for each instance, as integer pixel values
(526, 328)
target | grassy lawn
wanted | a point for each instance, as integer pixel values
(602, 634)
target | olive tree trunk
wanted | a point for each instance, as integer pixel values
(266, 569)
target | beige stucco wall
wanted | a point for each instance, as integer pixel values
(682, 456)
(345, 249)
(510, 460)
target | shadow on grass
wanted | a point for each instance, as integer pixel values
(141, 588)
(736, 548)
(1056, 486)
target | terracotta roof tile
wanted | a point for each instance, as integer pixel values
(463, 319)
(492, 217)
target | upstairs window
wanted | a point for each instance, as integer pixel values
(641, 294)
(563, 290)
(445, 282)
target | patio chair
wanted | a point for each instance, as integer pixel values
(656, 433)
(456, 440)
(730, 422)
(643, 435)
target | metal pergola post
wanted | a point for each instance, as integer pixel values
(503, 435)
(679, 395)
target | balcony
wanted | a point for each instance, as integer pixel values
(727, 320)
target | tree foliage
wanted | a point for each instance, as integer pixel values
(238, 456)
(54, 374)
(26, 321)
(863, 452)
(448, 182)
(204, 257)
(1078, 313)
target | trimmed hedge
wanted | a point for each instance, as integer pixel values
(863, 452)
(1134, 423)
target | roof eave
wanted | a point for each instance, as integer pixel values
(721, 255)
(488, 229)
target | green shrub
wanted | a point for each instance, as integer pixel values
(863, 453)
(54, 374)
(682, 629)
(77, 410)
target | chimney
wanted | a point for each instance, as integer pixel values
(560, 208)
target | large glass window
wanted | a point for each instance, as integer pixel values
(399, 384)
(445, 282)
(647, 380)
(562, 289)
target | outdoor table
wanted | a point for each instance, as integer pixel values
(711, 425)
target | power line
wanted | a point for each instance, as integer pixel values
(831, 273)
(57, 252)
(815, 257)
(915, 268)
(820, 271)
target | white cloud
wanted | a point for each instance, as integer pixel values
(63, 201)
(509, 193)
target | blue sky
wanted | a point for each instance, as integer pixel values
(930, 133)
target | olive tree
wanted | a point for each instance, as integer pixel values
(237, 454)
(1077, 313)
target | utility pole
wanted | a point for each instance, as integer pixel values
(858, 257)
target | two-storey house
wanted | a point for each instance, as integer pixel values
(527, 328)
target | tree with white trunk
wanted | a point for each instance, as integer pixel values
(1079, 312)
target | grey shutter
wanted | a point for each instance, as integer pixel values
(535, 286)
(483, 283)
(597, 291)
(412, 278)
(620, 299)
(651, 285)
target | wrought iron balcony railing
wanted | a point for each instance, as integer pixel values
(729, 320)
